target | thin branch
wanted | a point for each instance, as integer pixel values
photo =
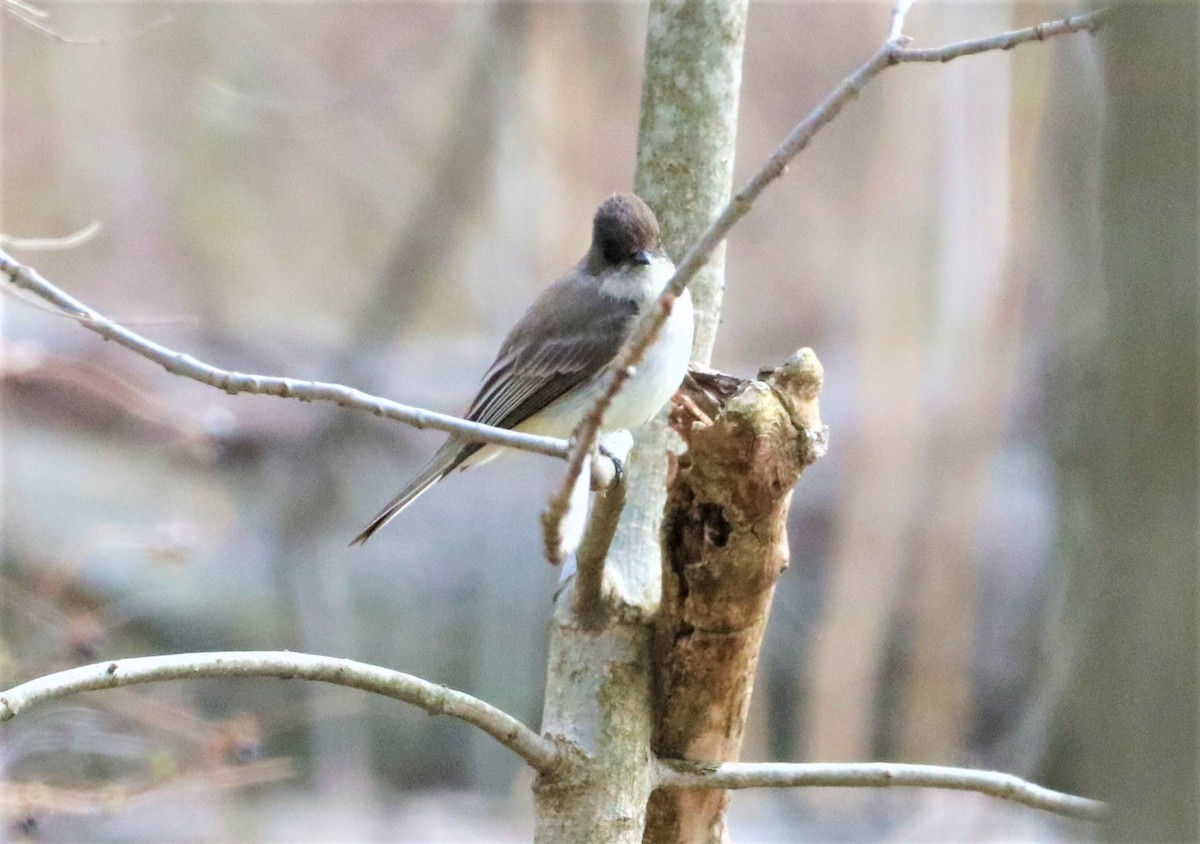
(1089, 22)
(591, 603)
(878, 775)
(177, 363)
(540, 753)
(890, 53)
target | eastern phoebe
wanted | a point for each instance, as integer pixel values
(551, 367)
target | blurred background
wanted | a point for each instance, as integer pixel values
(372, 194)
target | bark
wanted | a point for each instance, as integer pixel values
(688, 134)
(685, 168)
(598, 709)
(725, 535)
(598, 685)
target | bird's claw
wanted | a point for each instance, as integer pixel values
(618, 464)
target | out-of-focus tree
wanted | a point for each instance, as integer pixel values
(1125, 429)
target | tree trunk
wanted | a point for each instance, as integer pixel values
(1127, 415)
(598, 699)
(685, 169)
(598, 684)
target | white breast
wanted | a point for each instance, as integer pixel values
(659, 374)
(655, 380)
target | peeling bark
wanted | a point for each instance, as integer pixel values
(725, 545)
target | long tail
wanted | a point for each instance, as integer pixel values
(441, 464)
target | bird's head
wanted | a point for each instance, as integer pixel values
(624, 234)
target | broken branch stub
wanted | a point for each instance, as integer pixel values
(724, 546)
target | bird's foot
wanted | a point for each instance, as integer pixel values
(617, 463)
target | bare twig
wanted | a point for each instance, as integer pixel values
(540, 753)
(589, 603)
(178, 363)
(877, 775)
(890, 53)
(1089, 22)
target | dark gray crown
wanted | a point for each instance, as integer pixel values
(623, 226)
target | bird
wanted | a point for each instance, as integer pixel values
(552, 365)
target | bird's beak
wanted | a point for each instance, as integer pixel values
(642, 257)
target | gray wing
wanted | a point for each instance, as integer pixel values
(570, 334)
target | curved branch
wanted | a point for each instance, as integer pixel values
(892, 52)
(540, 753)
(878, 775)
(177, 363)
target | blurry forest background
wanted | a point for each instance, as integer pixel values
(371, 193)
